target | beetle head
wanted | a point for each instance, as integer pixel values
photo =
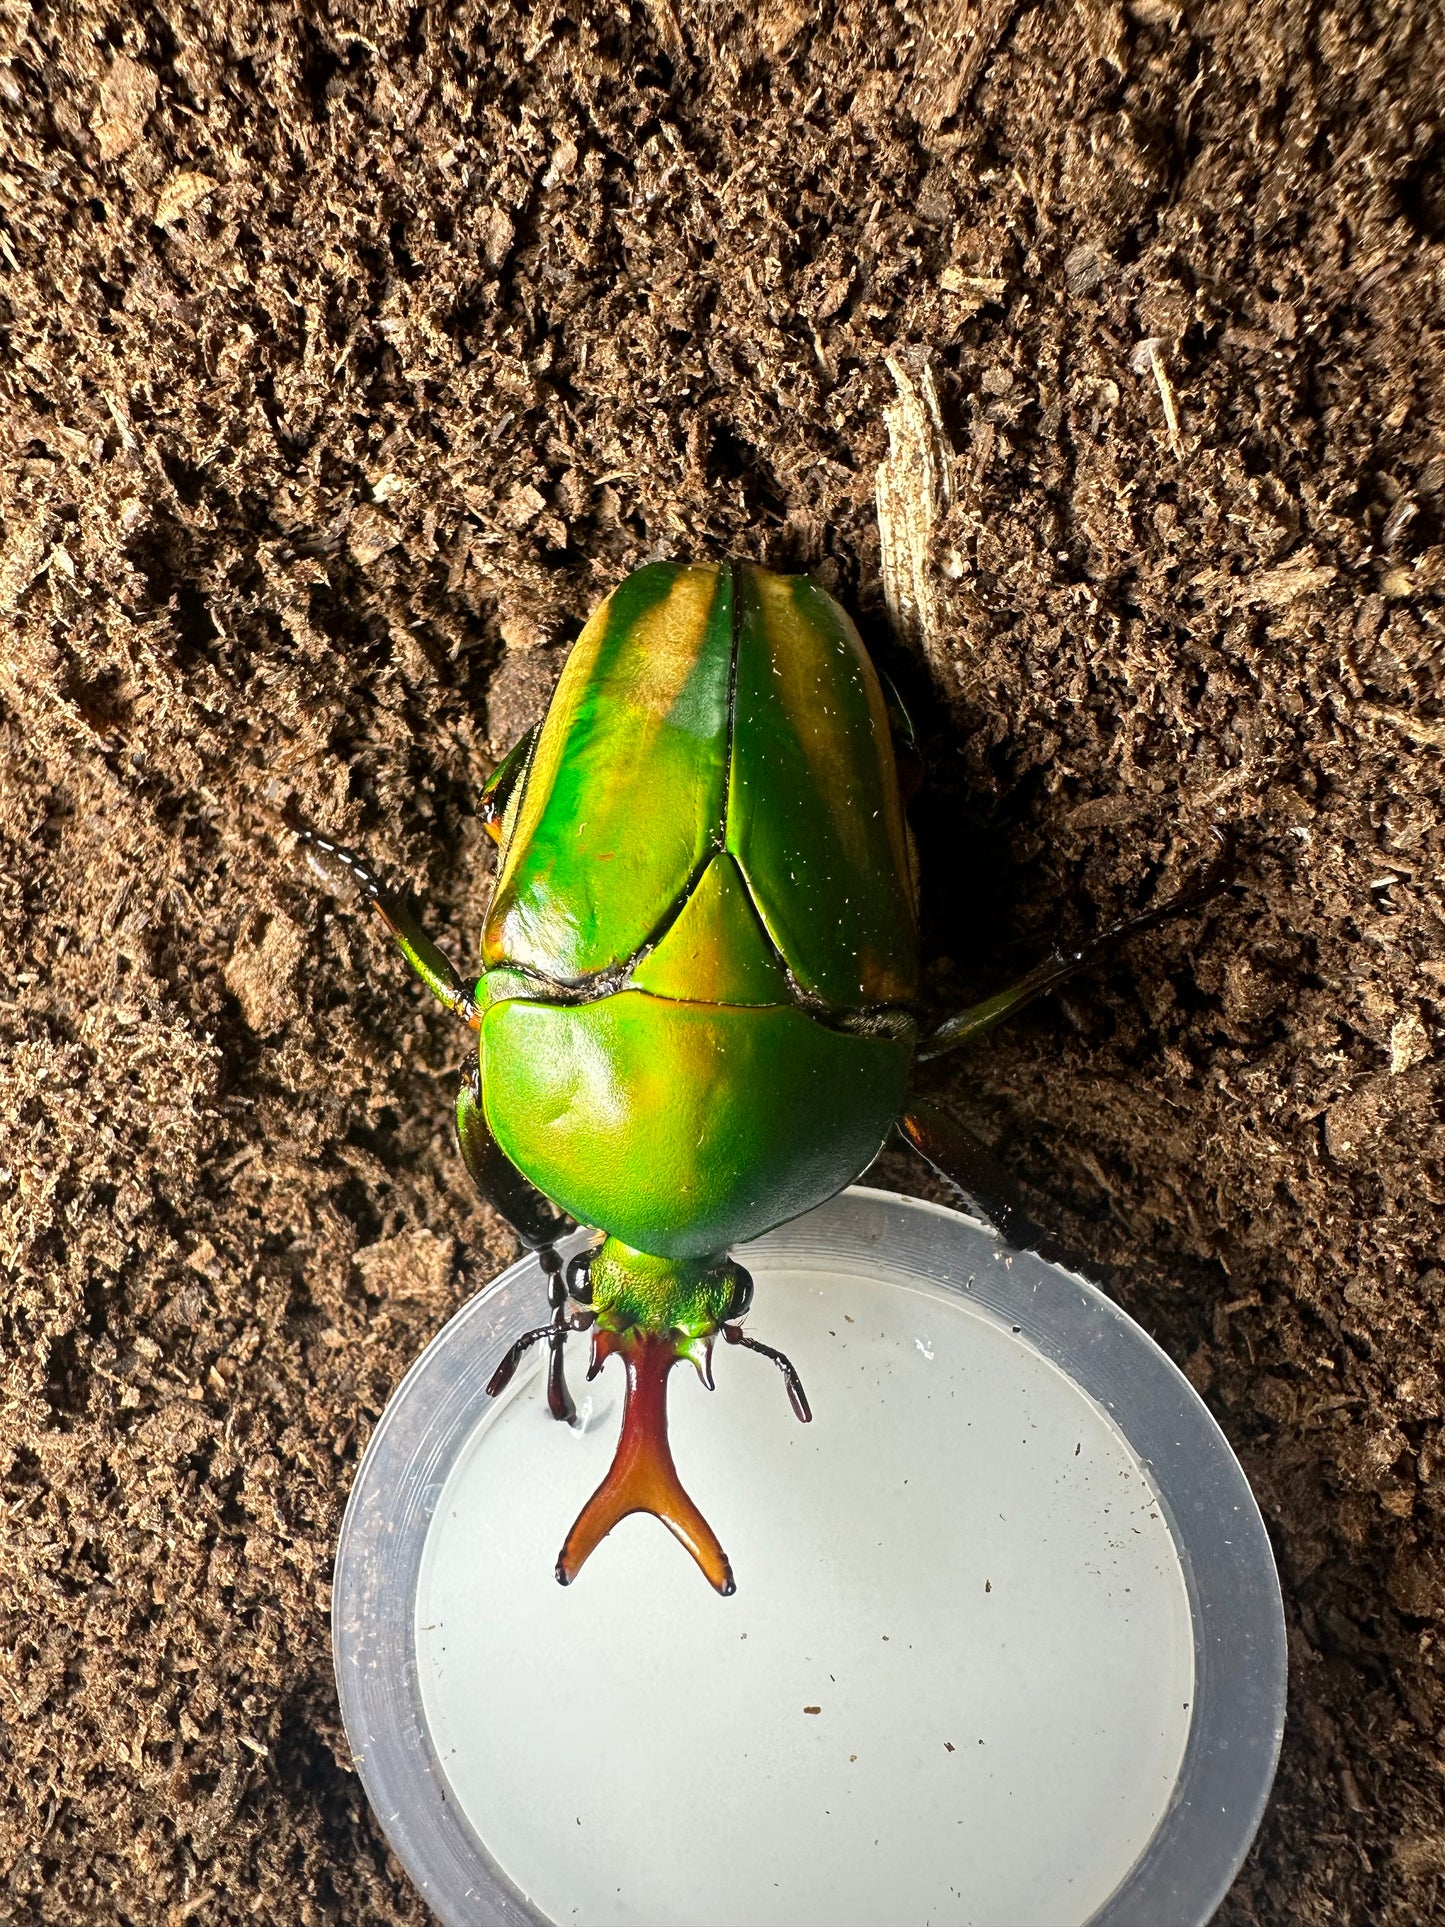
(690, 1297)
(651, 1312)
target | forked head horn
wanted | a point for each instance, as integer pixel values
(642, 1476)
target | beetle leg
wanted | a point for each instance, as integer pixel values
(956, 1154)
(440, 975)
(502, 1377)
(559, 1399)
(502, 782)
(1064, 964)
(907, 756)
(501, 1185)
(797, 1397)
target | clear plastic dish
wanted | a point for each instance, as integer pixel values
(1007, 1642)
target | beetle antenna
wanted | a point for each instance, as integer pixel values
(797, 1397)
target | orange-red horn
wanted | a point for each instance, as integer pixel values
(642, 1477)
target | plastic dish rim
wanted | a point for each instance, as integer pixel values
(1235, 1607)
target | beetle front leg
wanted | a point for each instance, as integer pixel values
(501, 1185)
(332, 863)
(966, 1162)
(502, 1377)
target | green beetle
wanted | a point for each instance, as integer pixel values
(699, 968)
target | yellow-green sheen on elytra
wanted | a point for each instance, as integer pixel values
(703, 933)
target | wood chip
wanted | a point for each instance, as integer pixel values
(127, 98)
(184, 190)
(370, 534)
(914, 488)
(1278, 586)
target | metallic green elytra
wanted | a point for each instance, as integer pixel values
(703, 939)
(699, 965)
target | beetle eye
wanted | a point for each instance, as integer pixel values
(579, 1278)
(742, 1291)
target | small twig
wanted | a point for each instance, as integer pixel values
(1146, 359)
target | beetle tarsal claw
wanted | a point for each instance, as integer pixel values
(642, 1476)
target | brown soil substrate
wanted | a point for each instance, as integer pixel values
(346, 362)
